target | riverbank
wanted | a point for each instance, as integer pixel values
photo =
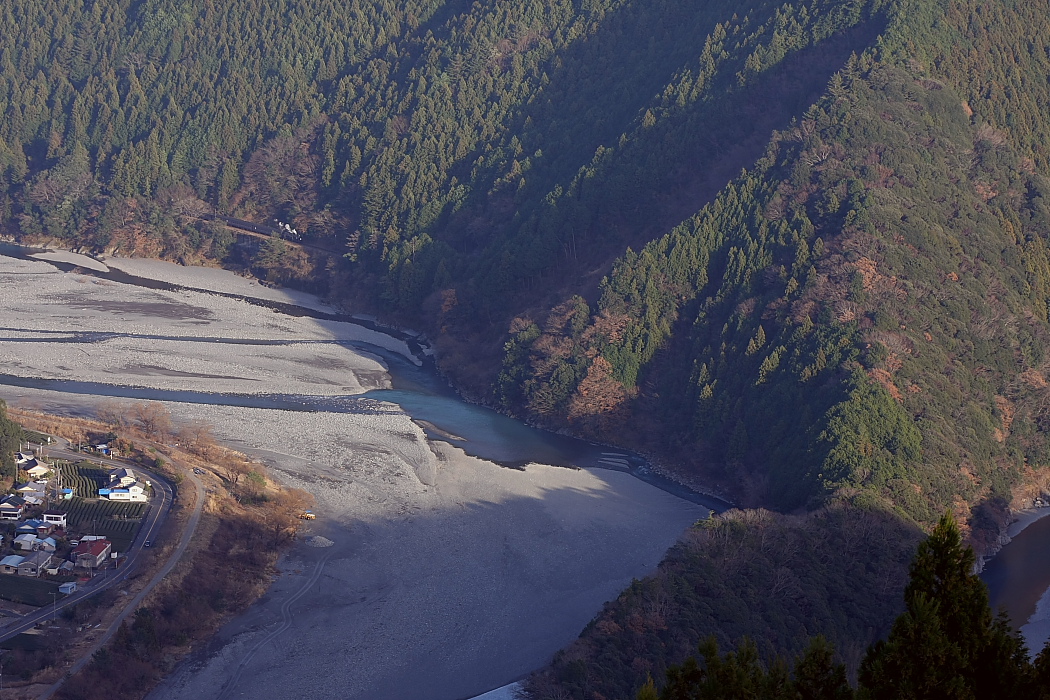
(1018, 577)
(447, 575)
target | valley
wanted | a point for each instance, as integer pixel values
(443, 569)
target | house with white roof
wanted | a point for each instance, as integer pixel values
(27, 543)
(122, 478)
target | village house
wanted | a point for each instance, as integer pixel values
(55, 517)
(122, 478)
(48, 544)
(11, 508)
(91, 553)
(31, 465)
(36, 527)
(27, 543)
(57, 567)
(31, 489)
(9, 564)
(34, 563)
(38, 470)
(132, 493)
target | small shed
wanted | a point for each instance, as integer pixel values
(68, 588)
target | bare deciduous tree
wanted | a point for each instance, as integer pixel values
(152, 418)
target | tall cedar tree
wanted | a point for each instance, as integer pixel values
(947, 644)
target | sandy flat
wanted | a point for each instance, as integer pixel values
(215, 280)
(142, 337)
(446, 576)
(71, 258)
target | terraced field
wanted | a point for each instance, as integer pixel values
(84, 478)
(86, 514)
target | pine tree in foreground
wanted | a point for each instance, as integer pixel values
(946, 645)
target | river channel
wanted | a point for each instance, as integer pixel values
(466, 547)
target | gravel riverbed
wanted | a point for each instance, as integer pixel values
(428, 573)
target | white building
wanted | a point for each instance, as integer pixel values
(122, 478)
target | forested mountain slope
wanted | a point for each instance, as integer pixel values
(866, 308)
(797, 250)
(861, 317)
(449, 148)
(879, 268)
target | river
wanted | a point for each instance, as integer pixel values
(468, 547)
(1018, 580)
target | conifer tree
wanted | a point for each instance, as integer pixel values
(946, 644)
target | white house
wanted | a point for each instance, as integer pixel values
(27, 543)
(55, 517)
(131, 493)
(122, 478)
(11, 508)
